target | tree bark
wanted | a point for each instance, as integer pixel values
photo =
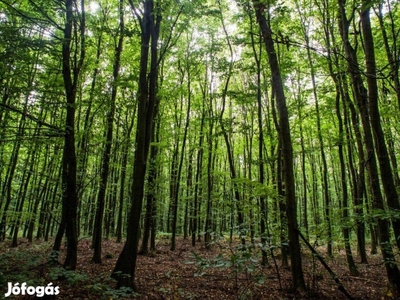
(105, 162)
(361, 97)
(261, 170)
(180, 165)
(149, 220)
(287, 151)
(375, 119)
(124, 271)
(70, 72)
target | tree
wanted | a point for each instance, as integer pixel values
(361, 97)
(375, 119)
(71, 67)
(124, 271)
(287, 151)
(105, 162)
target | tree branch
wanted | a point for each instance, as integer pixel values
(33, 118)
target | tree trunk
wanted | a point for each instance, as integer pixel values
(7, 187)
(287, 151)
(124, 161)
(325, 185)
(360, 94)
(182, 155)
(105, 162)
(345, 196)
(124, 271)
(282, 208)
(229, 147)
(359, 176)
(375, 119)
(261, 172)
(391, 53)
(197, 187)
(70, 76)
(149, 220)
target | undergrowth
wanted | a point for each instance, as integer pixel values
(31, 265)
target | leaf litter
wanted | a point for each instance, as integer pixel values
(221, 272)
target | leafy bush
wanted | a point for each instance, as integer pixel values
(20, 266)
(164, 235)
(72, 277)
(244, 267)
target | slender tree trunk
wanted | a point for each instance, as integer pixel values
(197, 187)
(345, 196)
(124, 271)
(287, 151)
(70, 76)
(261, 171)
(83, 143)
(189, 195)
(375, 119)
(125, 146)
(340, 95)
(21, 201)
(180, 165)
(38, 214)
(207, 224)
(105, 162)
(282, 208)
(30, 166)
(149, 220)
(7, 187)
(360, 94)
(325, 185)
(303, 170)
(359, 177)
(229, 148)
(391, 52)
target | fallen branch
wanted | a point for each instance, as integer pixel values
(321, 259)
(367, 280)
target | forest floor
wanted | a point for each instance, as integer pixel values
(189, 273)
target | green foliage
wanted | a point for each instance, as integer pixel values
(164, 235)
(29, 265)
(101, 287)
(194, 62)
(238, 262)
(72, 277)
(22, 265)
(122, 292)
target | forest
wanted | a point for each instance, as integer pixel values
(199, 149)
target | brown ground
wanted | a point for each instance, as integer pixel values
(179, 275)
